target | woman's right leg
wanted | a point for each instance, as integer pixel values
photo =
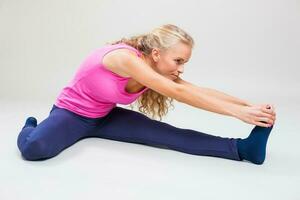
(59, 130)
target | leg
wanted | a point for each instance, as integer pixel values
(58, 131)
(130, 126)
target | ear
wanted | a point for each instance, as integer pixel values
(155, 54)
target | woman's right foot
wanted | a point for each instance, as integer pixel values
(30, 121)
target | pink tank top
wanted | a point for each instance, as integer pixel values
(95, 90)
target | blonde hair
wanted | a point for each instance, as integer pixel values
(162, 38)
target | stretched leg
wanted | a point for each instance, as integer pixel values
(130, 126)
(58, 131)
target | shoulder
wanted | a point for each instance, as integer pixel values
(118, 55)
(127, 62)
(114, 60)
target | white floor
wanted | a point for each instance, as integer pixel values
(105, 169)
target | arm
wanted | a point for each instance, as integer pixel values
(215, 93)
(194, 97)
(140, 71)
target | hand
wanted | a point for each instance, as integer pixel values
(262, 114)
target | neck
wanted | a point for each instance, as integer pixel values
(149, 61)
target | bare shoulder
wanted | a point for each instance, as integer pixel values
(126, 62)
(112, 59)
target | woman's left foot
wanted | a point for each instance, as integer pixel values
(253, 148)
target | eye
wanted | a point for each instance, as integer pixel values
(178, 61)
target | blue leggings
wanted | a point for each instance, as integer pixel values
(62, 128)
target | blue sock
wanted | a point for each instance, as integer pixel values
(30, 121)
(253, 148)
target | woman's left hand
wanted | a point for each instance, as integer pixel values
(261, 114)
(268, 106)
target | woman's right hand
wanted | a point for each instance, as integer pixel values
(262, 114)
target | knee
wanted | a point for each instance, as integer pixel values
(35, 150)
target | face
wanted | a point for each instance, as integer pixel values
(170, 63)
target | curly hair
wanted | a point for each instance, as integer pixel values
(162, 38)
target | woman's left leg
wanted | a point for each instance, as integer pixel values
(130, 126)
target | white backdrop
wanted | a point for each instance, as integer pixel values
(246, 48)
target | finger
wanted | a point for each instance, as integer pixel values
(272, 107)
(265, 120)
(266, 115)
(269, 111)
(262, 124)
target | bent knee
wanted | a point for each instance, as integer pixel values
(35, 150)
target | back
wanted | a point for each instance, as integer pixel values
(95, 90)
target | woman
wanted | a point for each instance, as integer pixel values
(144, 67)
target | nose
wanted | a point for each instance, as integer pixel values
(180, 69)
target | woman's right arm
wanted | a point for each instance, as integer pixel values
(139, 70)
(216, 93)
(127, 62)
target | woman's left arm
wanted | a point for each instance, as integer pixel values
(215, 93)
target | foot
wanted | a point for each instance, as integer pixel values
(30, 121)
(253, 148)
